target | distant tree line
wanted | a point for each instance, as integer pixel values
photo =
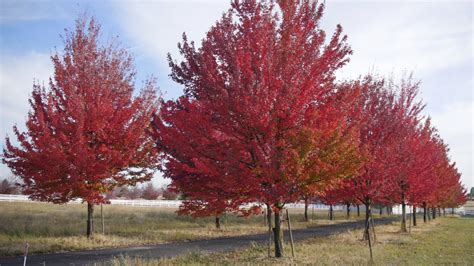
(8, 186)
(147, 192)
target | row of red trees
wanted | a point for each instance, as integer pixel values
(405, 160)
(262, 121)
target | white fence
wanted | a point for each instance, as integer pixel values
(137, 203)
(147, 203)
(157, 203)
(396, 209)
(13, 198)
(313, 206)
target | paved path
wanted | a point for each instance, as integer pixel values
(179, 248)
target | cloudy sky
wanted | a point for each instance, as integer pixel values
(431, 38)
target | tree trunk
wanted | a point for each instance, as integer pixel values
(306, 203)
(424, 212)
(414, 215)
(404, 221)
(358, 211)
(331, 213)
(452, 210)
(388, 210)
(444, 212)
(348, 211)
(433, 210)
(218, 222)
(367, 224)
(277, 236)
(367, 212)
(439, 212)
(380, 211)
(90, 219)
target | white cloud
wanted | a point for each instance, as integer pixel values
(16, 81)
(396, 36)
(156, 27)
(455, 124)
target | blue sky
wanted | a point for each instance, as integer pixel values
(431, 38)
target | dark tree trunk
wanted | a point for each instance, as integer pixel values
(331, 213)
(452, 210)
(367, 212)
(277, 236)
(404, 221)
(306, 204)
(414, 215)
(218, 222)
(358, 211)
(433, 210)
(348, 211)
(388, 210)
(380, 211)
(367, 224)
(444, 212)
(439, 212)
(90, 219)
(424, 212)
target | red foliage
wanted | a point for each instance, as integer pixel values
(400, 154)
(86, 133)
(375, 127)
(262, 74)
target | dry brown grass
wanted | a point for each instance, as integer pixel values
(445, 241)
(55, 228)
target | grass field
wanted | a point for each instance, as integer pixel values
(444, 241)
(53, 228)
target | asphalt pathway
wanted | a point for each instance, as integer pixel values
(180, 248)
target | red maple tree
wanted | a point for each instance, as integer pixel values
(262, 72)
(421, 177)
(86, 134)
(400, 155)
(375, 130)
(326, 148)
